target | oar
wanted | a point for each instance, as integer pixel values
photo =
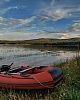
(31, 69)
(20, 72)
(27, 69)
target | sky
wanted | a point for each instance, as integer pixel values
(32, 19)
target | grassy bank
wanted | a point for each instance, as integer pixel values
(68, 89)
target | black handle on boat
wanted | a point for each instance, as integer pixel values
(5, 67)
(10, 65)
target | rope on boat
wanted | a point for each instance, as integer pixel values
(41, 83)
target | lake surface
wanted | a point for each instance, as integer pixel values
(22, 56)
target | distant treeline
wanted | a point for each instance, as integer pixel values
(73, 42)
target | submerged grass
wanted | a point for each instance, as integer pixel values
(68, 89)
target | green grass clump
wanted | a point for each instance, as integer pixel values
(68, 89)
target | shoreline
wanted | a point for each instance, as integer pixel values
(72, 42)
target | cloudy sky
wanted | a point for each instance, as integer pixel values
(30, 19)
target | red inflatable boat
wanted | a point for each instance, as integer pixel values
(30, 77)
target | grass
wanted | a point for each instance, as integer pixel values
(68, 89)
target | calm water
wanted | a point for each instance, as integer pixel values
(30, 56)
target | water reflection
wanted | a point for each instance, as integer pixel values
(35, 57)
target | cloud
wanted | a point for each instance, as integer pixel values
(4, 1)
(12, 24)
(56, 14)
(24, 35)
(35, 35)
(55, 11)
(1, 19)
(65, 36)
(1, 34)
(18, 35)
(28, 20)
(44, 18)
(75, 27)
(5, 10)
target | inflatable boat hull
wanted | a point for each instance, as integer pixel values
(37, 80)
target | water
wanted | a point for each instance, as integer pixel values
(22, 56)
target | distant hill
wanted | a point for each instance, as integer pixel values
(45, 41)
